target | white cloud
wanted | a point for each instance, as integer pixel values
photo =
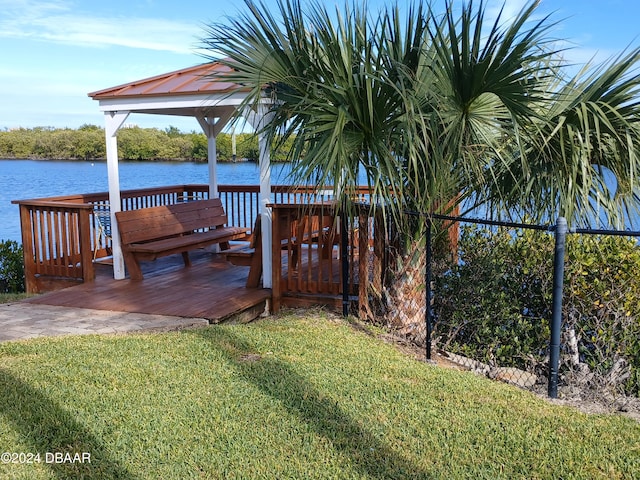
(33, 7)
(510, 10)
(147, 34)
(54, 21)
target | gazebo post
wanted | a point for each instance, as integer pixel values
(211, 128)
(113, 122)
(258, 120)
(265, 211)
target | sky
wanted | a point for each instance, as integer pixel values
(54, 52)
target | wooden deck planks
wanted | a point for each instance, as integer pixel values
(211, 288)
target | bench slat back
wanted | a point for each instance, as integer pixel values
(153, 223)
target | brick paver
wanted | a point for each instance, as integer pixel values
(26, 320)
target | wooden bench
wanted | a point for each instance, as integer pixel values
(149, 233)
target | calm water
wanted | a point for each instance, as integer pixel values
(24, 179)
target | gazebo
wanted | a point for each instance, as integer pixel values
(308, 253)
(189, 92)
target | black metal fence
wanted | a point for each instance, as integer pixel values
(538, 306)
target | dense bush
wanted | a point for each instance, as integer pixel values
(11, 267)
(495, 304)
(602, 310)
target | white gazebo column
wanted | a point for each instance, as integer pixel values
(258, 120)
(211, 128)
(265, 211)
(113, 121)
(212, 163)
(208, 127)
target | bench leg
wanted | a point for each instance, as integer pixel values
(187, 260)
(255, 271)
(135, 273)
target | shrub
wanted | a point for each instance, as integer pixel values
(495, 305)
(11, 267)
(602, 310)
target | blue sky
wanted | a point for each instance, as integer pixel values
(54, 52)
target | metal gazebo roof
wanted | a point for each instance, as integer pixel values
(187, 92)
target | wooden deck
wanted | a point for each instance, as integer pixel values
(62, 236)
(211, 288)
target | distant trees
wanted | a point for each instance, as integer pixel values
(88, 143)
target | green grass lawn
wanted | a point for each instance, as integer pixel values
(296, 396)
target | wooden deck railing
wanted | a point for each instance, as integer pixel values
(56, 243)
(310, 256)
(63, 236)
(306, 241)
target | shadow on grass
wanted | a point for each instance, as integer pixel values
(49, 428)
(368, 454)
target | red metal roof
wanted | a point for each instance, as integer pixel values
(181, 82)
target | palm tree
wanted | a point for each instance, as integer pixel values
(329, 85)
(436, 107)
(432, 107)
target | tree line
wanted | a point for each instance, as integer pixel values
(134, 143)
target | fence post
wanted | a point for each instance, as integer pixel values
(344, 247)
(428, 310)
(556, 321)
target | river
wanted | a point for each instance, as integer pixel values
(26, 179)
